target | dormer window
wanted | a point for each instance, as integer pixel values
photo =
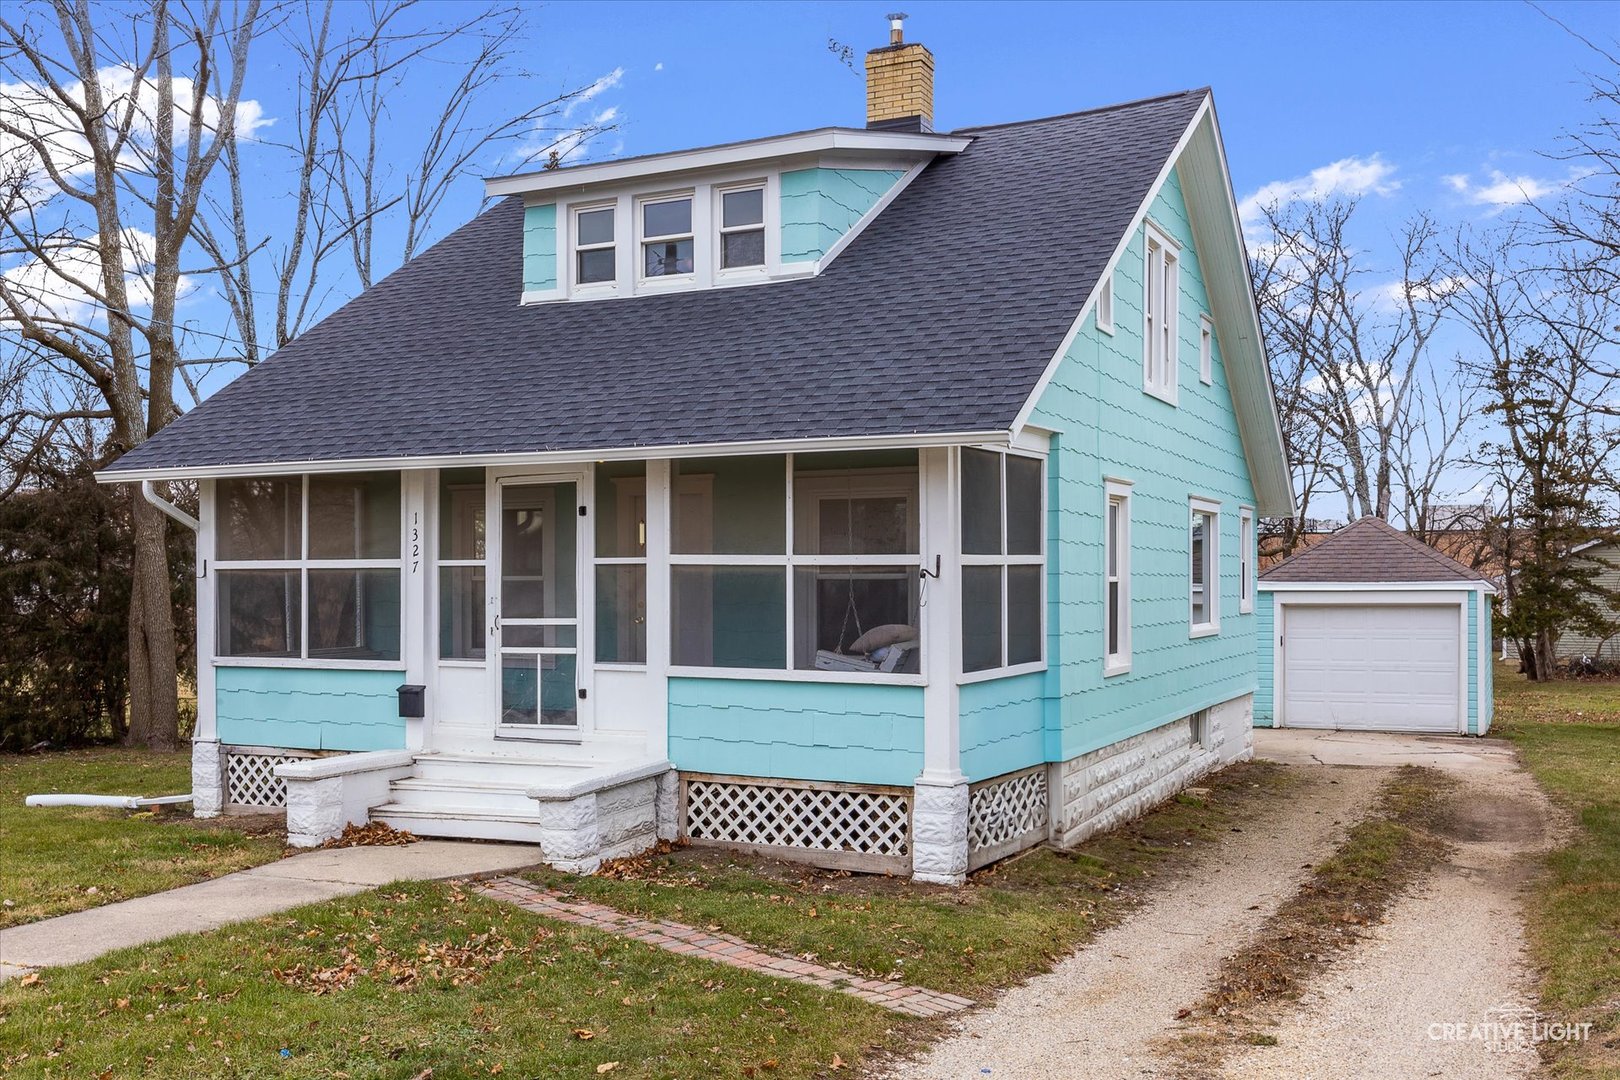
(594, 252)
(666, 237)
(742, 227)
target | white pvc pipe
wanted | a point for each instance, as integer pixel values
(149, 493)
(122, 802)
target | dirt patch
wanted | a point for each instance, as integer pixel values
(1353, 888)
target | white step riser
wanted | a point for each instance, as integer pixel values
(514, 803)
(422, 824)
(492, 772)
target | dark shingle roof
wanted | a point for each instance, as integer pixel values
(1369, 550)
(940, 317)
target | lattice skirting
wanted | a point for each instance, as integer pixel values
(842, 826)
(250, 778)
(1006, 814)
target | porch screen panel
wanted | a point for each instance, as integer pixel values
(621, 562)
(463, 587)
(1003, 560)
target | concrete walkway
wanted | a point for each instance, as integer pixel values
(1449, 753)
(247, 894)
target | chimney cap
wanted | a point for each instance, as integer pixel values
(896, 27)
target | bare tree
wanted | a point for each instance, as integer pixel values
(109, 151)
(1350, 360)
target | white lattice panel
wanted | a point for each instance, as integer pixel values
(838, 825)
(1006, 814)
(250, 779)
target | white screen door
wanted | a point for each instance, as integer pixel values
(535, 601)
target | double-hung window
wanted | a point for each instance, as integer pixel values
(1204, 583)
(1162, 288)
(309, 567)
(1246, 556)
(595, 255)
(1003, 560)
(666, 237)
(1117, 578)
(805, 562)
(742, 227)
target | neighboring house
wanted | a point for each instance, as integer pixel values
(1370, 629)
(876, 496)
(1604, 556)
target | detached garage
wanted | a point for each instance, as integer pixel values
(1370, 630)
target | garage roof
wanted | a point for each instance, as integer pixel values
(1371, 551)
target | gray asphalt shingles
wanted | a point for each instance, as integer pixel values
(939, 317)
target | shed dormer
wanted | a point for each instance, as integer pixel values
(739, 214)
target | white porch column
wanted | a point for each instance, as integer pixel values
(416, 633)
(207, 760)
(659, 510)
(939, 813)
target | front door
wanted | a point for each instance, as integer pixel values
(535, 604)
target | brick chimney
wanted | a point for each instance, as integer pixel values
(900, 83)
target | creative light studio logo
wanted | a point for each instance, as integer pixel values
(1510, 1026)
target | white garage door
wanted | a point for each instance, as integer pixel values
(1371, 667)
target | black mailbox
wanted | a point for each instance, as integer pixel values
(413, 700)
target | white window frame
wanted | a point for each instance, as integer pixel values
(1005, 560)
(443, 563)
(575, 247)
(303, 565)
(1116, 567)
(597, 560)
(1105, 305)
(1161, 359)
(1206, 350)
(1212, 567)
(665, 281)
(727, 273)
(789, 561)
(1246, 560)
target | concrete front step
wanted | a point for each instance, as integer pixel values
(432, 794)
(466, 822)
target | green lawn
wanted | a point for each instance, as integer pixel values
(1569, 734)
(1007, 923)
(51, 858)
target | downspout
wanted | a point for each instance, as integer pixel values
(149, 493)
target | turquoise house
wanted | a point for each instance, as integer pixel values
(876, 496)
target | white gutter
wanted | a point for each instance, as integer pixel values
(149, 493)
(121, 802)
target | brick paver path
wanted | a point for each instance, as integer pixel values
(721, 948)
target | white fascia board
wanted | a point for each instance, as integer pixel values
(1376, 586)
(561, 457)
(895, 144)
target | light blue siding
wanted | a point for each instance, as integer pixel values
(821, 205)
(1265, 639)
(540, 247)
(855, 733)
(309, 708)
(1003, 725)
(1110, 428)
(1487, 702)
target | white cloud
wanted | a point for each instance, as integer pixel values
(605, 83)
(1499, 191)
(658, 66)
(1351, 177)
(50, 287)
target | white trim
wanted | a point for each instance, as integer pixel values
(1379, 596)
(562, 457)
(1117, 663)
(819, 141)
(1105, 304)
(1332, 587)
(312, 662)
(1247, 553)
(1004, 672)
(667, 282)
(1004, 560)
(1206, 349)
(870, 216)
(677, 671)
(1211, 626)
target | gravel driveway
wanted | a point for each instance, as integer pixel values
(1450, 952)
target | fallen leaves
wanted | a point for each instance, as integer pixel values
(373, 834)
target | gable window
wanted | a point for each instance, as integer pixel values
(666, 237)
(1206, 350)
(1203, 544)
(1117, 578)
(595, 259)
(309, 567)
(1105, 305)
(1246, 561)
(1003, 561)
(742, 227)
(1162, 289)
